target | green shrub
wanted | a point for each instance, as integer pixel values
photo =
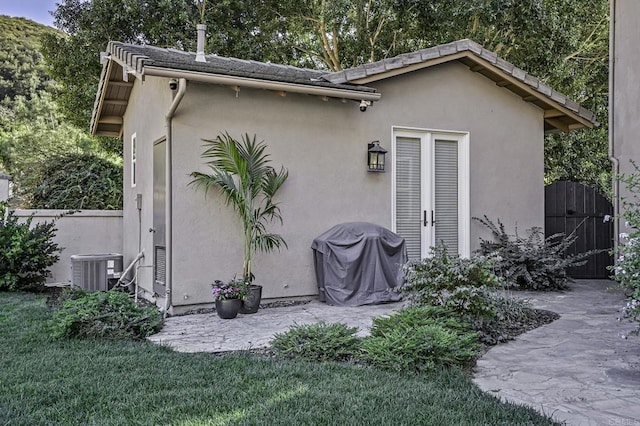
(26, 252)
(627, 268)
(534, 262)
(317, 342)
(447, 280)
(110, 314)
(76, 181)
(410, 318)
(413, 340)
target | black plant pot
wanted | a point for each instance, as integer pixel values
(228, 309)
(251, 303)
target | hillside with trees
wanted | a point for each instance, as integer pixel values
(34, 133)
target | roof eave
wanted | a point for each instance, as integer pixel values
(97, 105)
(568, 115)
(261, 84)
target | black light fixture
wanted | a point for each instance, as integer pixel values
(375, 158)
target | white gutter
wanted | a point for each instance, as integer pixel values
(168, 206)
(261, 84)
(612, 157)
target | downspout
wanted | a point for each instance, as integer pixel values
(612, 157)
(168, 302)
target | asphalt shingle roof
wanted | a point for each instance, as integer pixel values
(565, 113)
(139, 56)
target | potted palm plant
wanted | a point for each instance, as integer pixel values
(240, 170)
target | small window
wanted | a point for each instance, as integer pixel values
(134, 149)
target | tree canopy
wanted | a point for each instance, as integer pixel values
(32, 128)
(562, 42)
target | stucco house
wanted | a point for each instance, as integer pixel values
(624, 96)
(463, 129)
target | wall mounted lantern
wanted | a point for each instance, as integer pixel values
(375, 158)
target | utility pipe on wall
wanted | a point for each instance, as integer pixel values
(612, 156)
(182, 88)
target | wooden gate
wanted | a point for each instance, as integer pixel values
(571, 205)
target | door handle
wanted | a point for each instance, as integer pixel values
(433, 218)
(425, 222)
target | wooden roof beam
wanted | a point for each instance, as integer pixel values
(110, 119)
(119, 102)
(120, 83)
(559, 124)
(109, 134)
(552, 113)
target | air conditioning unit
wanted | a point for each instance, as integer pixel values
(95, 272)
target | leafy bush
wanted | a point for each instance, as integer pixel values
(76, 181)
(26, 252)
(412, 317)
(456, 290)
(419, 339)
(317, 342)
(111, 314)
(627, 268)
(534, 262)
(447, 280)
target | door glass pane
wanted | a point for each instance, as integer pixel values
(408, 191)
(446, 194)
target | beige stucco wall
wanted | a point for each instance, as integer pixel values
(506, 135)
(83, 232)
(145, 117)
(626, 90)
(323, 144)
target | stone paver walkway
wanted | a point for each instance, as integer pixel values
(580, 368)
(208, 333)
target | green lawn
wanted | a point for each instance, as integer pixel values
(43, 381)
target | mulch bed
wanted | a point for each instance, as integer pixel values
(540, 318)
(53, 296)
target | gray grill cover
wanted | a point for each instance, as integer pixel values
(358, 263)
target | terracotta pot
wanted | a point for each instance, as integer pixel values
(228, 309)
(251, 303)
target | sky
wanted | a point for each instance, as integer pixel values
(36, 10)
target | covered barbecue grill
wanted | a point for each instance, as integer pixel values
(358, 263)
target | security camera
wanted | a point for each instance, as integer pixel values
(173, 84)
(364, 104)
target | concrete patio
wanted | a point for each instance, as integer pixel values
(208, 333)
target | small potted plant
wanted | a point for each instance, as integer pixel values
(229, 296)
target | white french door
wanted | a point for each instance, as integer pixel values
(431, 190)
